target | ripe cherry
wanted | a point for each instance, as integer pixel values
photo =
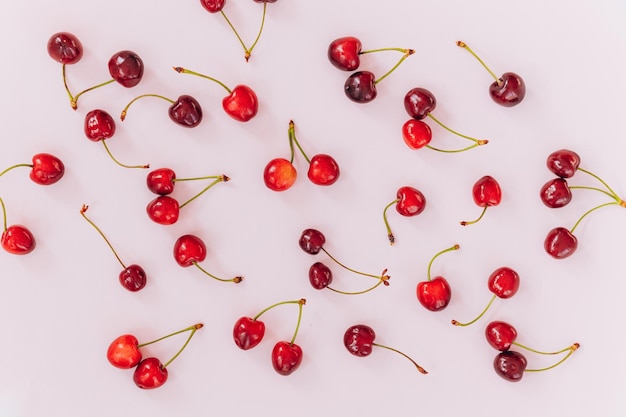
(323, 170)
(190, 250)
(16, 239)
(563, 163)
(185, 111)
(416, 133)
(279, 174)
(556, 193)
(359, 341)
(213, 6)
(487, 193)
(286, 357)
(500, 335)
(510, 365)
(124, 352)
(409, 202)
(344, 53)
(419, 103)
(312, 241)
(434, 294)
(65, 48)
(320, 276)
(161, 181)
(508, 90)
(560, 243)
(133, 277)
(46, 169)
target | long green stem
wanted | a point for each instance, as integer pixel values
(209, 177)
(4, 214)
(74, 102)
(67, 89)
(295, 333)
(571, 349)
(419, 368)
(125, 110)
(613, 203)
(193, 331)
(580, 187)
(265, 310)
(451, 248)
(221, 178)
(407, 53)
(292, 139)
(390, 235)
(236, 280)
(456, 323)
(369, 51)
(106, 147)
(15, 166)
(182, 70)
(613, 193)
(478, 141)
(82, 212)
(258, 36)
(381, 281)
(542, 352)
(465, 222)
(171, 334)
(245, 48)
(382, 276)
(468, 49)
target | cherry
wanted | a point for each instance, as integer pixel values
(311, 241)
(190, 250)
(65, 48)
(556, 193)
(213, 6)
(279, 174)
(323, 170)
(419, 103)
(344, 53)
(563, 163)
(185, 111)
(359, 340)
(503, 283)
(161, 181)
(16, 239)
(123, 352)
(500, 335)
(286, 357)
(560, 243)
(133, 277)
(508, 90)
(510, 365)
(487, 193)
(416, 133)
(320, 276)
(435, 293)
(46, 169)
(409, 202)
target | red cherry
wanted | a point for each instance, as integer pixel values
(486, 193)
(416, 134)
(564, 163)
(435, 294)
(500, 335)
(126, 67)
(419, 102)
(279, 174)
(510, 365)
(311, 241)
(241, 103)
(320, 276)
(163, 210)
(161, 181)
(213, 6)
(248, 332)
(360, 87)
(323, 170)
(286, 357)
(560, 243)
(185, 111)
(504, 282)
(556, 193)
(150, 374)
(344, 53)
(124, 352)
(47, 169)
(65, 48)
(189, 250)
(18, 240)
(99, 125)
(359, 339)
(410, 201)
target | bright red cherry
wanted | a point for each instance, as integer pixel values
(320, 276)
(560, 243)
(286, 357)
(556, 193)
(213, 6)
(185, 111)
(360, 87)
(563, 163)
(510, 365)
(344, 53)
(163, 210)
(500, 335)
(124, 352)
(161, 181)
(323, 170)
(65, 48)
(150, 373)
(409, 202)
(504, 282)
(279, 174)
(126, 67)
(46, 169)
(188, 250)
(248, 332)
(18, 240)
(419, 102)
(434, 294)
(416, 134)
(99, 125)
(311, 241)
(486, 193)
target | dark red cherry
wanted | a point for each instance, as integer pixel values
(150, 373)
(286, 357)
(213, 6)
(510, 365)
(419, 102)
(163, 210)
(509, 90)
(186, 111)
(323, 170)
(133, 278)
(344, 53)
(500, 335)
(47, 169)
(161, 181)
(189, 249)
(311, 241)
(248, 332)
(563, 163)
(486, 192)
(359, 339)
(18, 240)
(411, 201)
(99, 125)
(279, 174)
(556, 193)
(434, 294)
(360, 87)
(560, 243)
(320, 276)
(65, 48)
(504, 282)
(416, 134)
(123, 352)
(126, 67)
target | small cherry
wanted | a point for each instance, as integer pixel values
(124, 352)
(65, 48)
(100, 126)
(312, 242)
(320, 276)
(161, 181)
(503, 283)
(185, 111)
(556, 193)
(359, 340)
(563, 163)
(46, 169)
(241, 103)
(213, 6)
(133, 277)
(416, 133)
(189, 250)
(279, 174)
(345, 52)
(434, 294)
(287, 355)
(487, 193)
(16, 239)
(409, 202)
(507, 90)
(560, 243)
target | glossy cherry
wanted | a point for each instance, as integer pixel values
(213, 6)
(65, 48)
(45, 169)
(286, 357)
(312, 241)
(126, 67)
(161, 181)
(279, 174)
(419, 102)
(486, 193)
(416, 133)
(124, 352)
(409, 202)
(435, 294)
(563, 163)
(344, 53)
(190, 250)
(323, 170)
(556, 193)
(500, 335)
(16, 239)
(360, 87)
(510, 365)
(320, 276)
(560, 243)
(185, 111)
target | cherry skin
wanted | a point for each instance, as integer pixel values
(18, 240)
(279, 174)
(560, 243)
(133, 278)
(504, 282)
(500, 335)
(161, 181)
(344, 53)
(360, 87)
(510, 365)
(311, 241)
(65, 48)
(411, 201)
(563, 163)
(359, 339)
(188, 250)
(487, 192)
(248, 332)
(126, 67)
(320, 276)
(163, 210)
(124, 352)
(213, 6)
(185, 111)
(150, 373)
(556, 193)
(286, 357)
(323, 170)
(509, 90)
(47, 169)
(416, 134)
(99, 125)
(434, 294)
(419, 102)
(241, 104)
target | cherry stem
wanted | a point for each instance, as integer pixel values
(125, 110)
(381, 281)
(419, 368)
(477, 141)
(236, 280)
(468, 49)
(383, 276)
(451, 248)
(546, 353)
(106, 147)
(15, 166)
(4, 214)
(580, 187)
(613, 193)
(195, 326)
(301, 301)
(245, 48)
(193, 329)
(182, 70)
(67, 89)
(465, 223)
(209, 177)
(74, 101)
(456, 323)
(369, 51)
(82, 212)
(221, 178)
(295, 333)
(390, 235)
(480, 142)
(258, 36)
(613, 203)
(571, 349)
(292, 139)
(407, 53)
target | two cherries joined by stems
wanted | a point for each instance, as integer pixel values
(320, 276)
(124, 352)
